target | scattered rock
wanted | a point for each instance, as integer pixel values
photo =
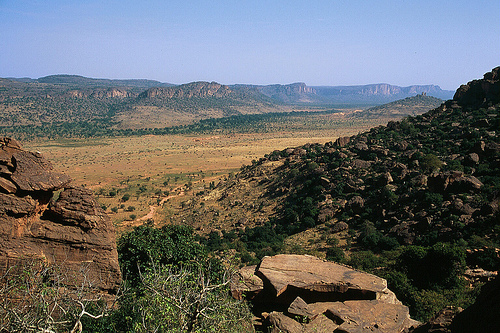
(357, 204)
(246, 284)
(340, 226)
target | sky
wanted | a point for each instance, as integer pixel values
(330, 42)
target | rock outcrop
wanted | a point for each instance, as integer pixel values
(301, 293)
(480, 92)
(190, 90)
(43, 217)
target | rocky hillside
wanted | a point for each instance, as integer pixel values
(428, 177)
(291, 93)
(410, 106)
(427, 187)
(82, 81)
(43, 217)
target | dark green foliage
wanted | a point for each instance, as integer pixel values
(146, 246)
(169, 279)
(335, 254)
(433, 267)
(430, 163)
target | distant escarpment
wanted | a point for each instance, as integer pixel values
(190, 90)
(381, 92)
(44, 218)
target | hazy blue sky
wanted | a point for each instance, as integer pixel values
(336, 42)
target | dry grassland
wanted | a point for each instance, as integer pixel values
(159, 171)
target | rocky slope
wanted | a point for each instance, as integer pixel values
(427, 178)
(410, 106)
(43, 217)
(416, 200)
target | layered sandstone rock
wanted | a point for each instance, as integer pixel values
(302, 293)
(43, 217)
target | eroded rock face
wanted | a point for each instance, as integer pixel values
(303, 293)
(71, 231)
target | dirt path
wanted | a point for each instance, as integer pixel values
(153, 209)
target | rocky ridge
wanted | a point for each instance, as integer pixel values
(410, 106)
(43, 217)
(435, 174)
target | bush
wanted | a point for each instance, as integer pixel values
(439, 266)
(186, 299)
(145, 246)
(430, 163)
(335, 254)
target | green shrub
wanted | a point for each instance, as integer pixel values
(145, 246)
(430, 163)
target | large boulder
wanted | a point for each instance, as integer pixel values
(43, 217)
(302, 293)
(480, 92)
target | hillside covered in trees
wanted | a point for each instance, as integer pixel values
(75, 106)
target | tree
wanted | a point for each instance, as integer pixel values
(145, 246)
(39, 297)
(187, 299)
(430, 163)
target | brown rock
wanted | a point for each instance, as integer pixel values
(479, 92)
(246, 283)
(34, 173)
(473, 158)
(76, 206)
(440, 323)
(72, 232)
(320, 324)
(13, 206)
(4, 170)
(322, 296)
(361, 146)
(300, 308)
(340, 226)
(311, 274)
(342, 141)
(281, 323)
(7, 186)
(370, 316)
(362, 164)
(467, 184)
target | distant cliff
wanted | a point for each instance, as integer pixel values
(300, 93)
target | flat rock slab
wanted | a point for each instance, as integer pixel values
(246, 283)
(369, 316)
(314, 274)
